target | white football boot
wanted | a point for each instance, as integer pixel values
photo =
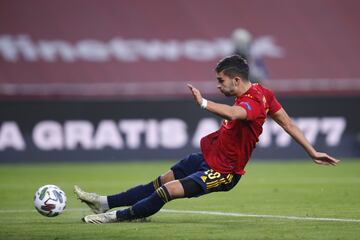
(91, 199)
(101, 218)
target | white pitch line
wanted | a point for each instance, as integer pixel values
(260, 216)
(214, 213)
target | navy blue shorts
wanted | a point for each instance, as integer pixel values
(195, 168)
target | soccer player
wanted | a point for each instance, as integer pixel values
(224, 153)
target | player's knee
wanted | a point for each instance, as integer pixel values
(170, 191)
(167, 177)
(163, 179)
(191, 188)
(175, 189)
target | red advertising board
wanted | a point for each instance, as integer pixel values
(137, 47)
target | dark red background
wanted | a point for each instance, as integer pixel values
(320, 37)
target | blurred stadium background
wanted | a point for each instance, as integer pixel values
(95, 80)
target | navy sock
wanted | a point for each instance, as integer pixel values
(133, 195)
(146, 207)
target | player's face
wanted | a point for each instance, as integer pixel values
(226, 84)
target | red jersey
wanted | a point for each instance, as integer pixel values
(229, 149)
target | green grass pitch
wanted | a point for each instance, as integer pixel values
(288, 188)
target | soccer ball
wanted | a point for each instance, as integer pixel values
(50, 200)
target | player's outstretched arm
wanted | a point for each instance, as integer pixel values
(283, 119)
(225, 111)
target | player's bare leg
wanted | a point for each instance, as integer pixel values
(167, 177)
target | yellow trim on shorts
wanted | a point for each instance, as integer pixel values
(220, 181)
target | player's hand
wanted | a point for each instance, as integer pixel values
(196, 93)
(324, 159)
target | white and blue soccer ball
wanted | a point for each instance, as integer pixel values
(50, 200)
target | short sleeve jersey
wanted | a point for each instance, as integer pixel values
(228, 149)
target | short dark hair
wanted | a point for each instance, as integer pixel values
(233, 66)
